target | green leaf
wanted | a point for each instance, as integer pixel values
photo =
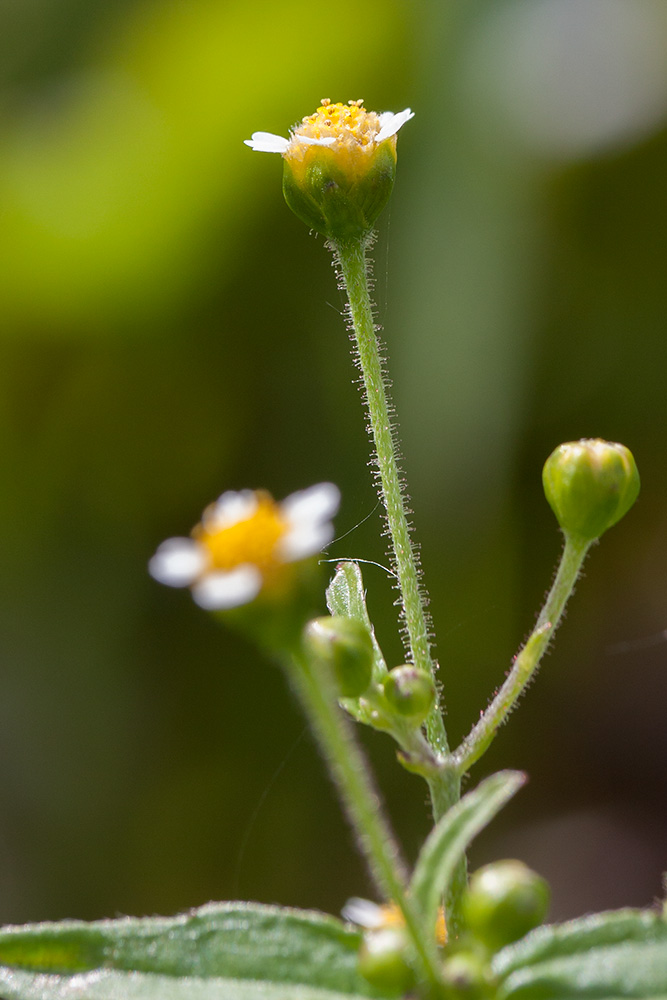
(607, 956)
(346, 596)
(111, 985)
(447, 842)
(211, 952)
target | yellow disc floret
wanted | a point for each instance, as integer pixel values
(352, 127)
(253, 540)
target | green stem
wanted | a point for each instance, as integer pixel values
(482, 734)
(351, 774)
(354, 268)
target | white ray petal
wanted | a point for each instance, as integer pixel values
(318, 503)
(267, 142)
(362, 912)
(178, 562)
(305, 539)
(230, 508)
(390, 123)
(219, 591)
(307, 140)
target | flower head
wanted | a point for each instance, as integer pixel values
(244, 543)
(339, 165)
(375, 917)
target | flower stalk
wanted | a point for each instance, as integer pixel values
(528, 659)
(315, 687)
(352, 258)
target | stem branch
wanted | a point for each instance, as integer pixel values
(527, 661)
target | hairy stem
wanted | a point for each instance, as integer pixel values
(354, 271)
(527, 661)
(351, 775)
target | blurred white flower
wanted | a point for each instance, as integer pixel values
(244, 540)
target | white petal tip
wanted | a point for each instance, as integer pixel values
(390, 123)
(362, 912)
(267, 142)
(178, 562)
(222, 591)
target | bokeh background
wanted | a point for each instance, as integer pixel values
(169, 331)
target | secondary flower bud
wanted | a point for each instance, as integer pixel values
(383, 963)
(410, 692)
(468, 976)
(345, 646)
(504, 901)
(590, 484)
(339, 166)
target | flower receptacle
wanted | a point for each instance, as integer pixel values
(590, 485)
(340, 196)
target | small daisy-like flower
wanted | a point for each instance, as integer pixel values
(375, 917)
(244, 543)
(339, 165)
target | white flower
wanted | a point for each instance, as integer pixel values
(334, 123)
(243, 541)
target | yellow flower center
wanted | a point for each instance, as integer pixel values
(354, 130)
(252, 540)
(347, 123)
(392, 917)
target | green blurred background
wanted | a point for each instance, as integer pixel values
(169, 331)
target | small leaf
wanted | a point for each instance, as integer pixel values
(607, 956)
(234, 942)
(447, 842)
(346, 596)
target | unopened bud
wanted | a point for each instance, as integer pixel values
(383, 963)
(346, 647)
(468, 977)
(410, 691)
(504, 901)
(590, 484)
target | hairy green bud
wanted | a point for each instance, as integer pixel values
(346, 647)
(590, 484)
(410, 692)
(468, 976)
(503, 902)
(383, 963)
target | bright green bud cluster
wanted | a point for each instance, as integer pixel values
(503, 902)
(345, 646)
(410, 692)
(590, 484)
(382, 961)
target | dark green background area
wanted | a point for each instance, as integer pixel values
(170, 331)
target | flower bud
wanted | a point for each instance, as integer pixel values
(468, 976)
(346, 647)
(504, 901)
(410, 692)
(590, 484)
(383, 963)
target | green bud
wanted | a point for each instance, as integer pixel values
(410, 692)
(468, 976)
(383, 962)
(590, 484)
(346, 647)
(504, 901)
